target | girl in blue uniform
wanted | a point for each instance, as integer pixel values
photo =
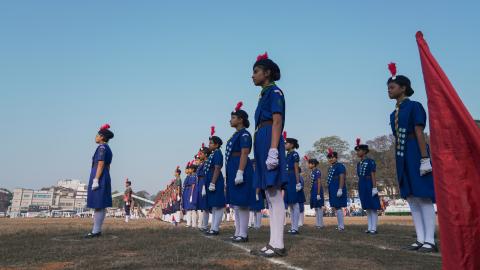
(189, 197)
(239, 172)
(317, 200)
(337, 187)
(294, 185)
(367, 186)
(269, 150)
(202, 204)
(215, 182)
(301, 199)
(414, 170)
(99, 195)
(257, 204)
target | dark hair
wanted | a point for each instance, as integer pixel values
(178, 171)
(205, 150)
(294, 142)
(362, 147)
(333, 154)
(313, 161)
(193, 167)
(402, 81)
(106, 134)
(268, 64)
(243, 115)
(128, 182)
(216, 140)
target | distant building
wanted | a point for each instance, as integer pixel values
(70, 195)
(478, 123)
(4, 202)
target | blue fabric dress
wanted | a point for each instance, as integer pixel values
(189, 191)
(101, 197)
(315, 177)
(202, 203)
(365, 184)
(408, 154)
(291, 196)
(271, 101)
(215, 198)
(238, 195)
(333, 181)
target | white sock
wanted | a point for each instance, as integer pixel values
(341, 225)
(277, 216)
(237, 221)
(429, 218)
(205, 218)
(295, 215)
(194, 219)
(258, 220)
(319, 217)
(217, 218)
(417, 218)
(243, 216)
(302, 219)
(188, 216)
(251, 219)
(98, 218)
(369, 218)
(374, 220)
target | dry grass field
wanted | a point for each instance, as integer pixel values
(150, 244)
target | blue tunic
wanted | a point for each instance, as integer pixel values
(408, 155)
(365, 168)
(101, 197)
(201, 200)
(333, 181)
(315, 177)
(301, 193)
(238, 195)
(290, 190)
(215, 198)
(257, 205)
(271, 101)
(189, 191)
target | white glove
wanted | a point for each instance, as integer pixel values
(425, 166)
(339, 192)
(211, 187)
(374, 191)
(319, 198)
(127, 203)
(178, 197)
(239, 177)
(257, 197)
(298, 187)
(191, 199)
(95, 184)
(204, 191)
(272, 159)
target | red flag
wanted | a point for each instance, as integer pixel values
(455, 144)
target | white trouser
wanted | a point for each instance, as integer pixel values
(423, 214)
(319, 217)
(217, 213)
(204, 216)
(277, 216)
(340, 221)
(372, 219)
(258, 220)
(98, 218)
(294, 215)
(188, 216)
(302, 219)
(251, 219)
(242, 214)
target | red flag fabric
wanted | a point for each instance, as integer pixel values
(455, 153)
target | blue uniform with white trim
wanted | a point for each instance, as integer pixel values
(215, 198)
(189, 185)
(238, 195)
(201, 203)
(291, 196)
(408, 154)
(101, 197)
(333, 181)
(365, 168)
(271, 101)
(315, 177)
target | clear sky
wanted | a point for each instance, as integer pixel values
(161, 73)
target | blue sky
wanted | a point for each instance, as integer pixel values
(161, 73)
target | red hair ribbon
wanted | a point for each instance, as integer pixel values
(239, 106)
(305, 157)
(212, 130)
(106, 126)
(358, 141)
(285, 135)
(393, 69)
(330, 151)
(262, 56)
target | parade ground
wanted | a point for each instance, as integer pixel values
(151, 244)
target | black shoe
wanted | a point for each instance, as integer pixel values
(233, 237)
(212, 233)
(414, 247)
(372, 232)
(424, 249)
(92, 235)
(277, 252)
(293, 232)
(239, 239)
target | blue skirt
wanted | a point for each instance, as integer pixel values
(412, 184)
(215, 198)
(290, 196)
(301, 205)
(264, 178)
(186, 204)
(301, 196)
(257, 205)
(202, 203)
(337, 202)
(365, 186)
(239, 195)
(101, 197)
(313, 197)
